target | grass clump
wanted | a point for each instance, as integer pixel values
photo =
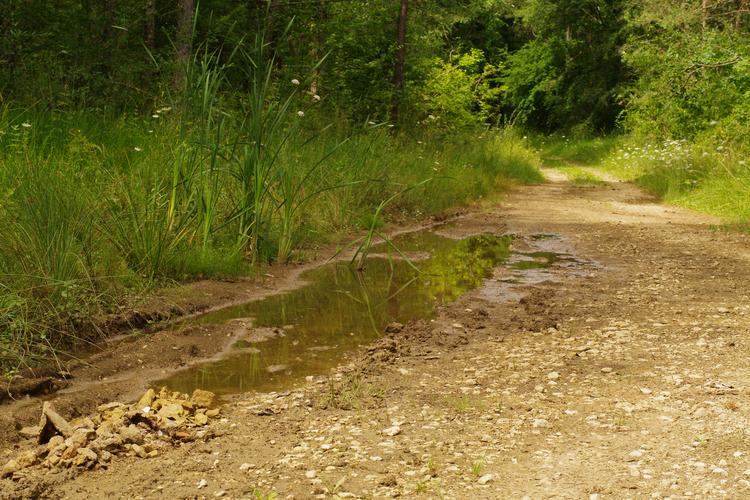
(706, 178)
(97, 208)
(580, 176)
(560, 149)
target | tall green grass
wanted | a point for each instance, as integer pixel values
(709, 178)
(97, 208)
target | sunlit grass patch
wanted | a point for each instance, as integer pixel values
(95, 207)
(580, 176)
(588, 152)
(713, 180)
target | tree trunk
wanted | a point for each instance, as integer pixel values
(705, 12)
(270, 6)
(109, 21)
(741, 10)
(6, 27)
(185, 14)
(318, 46)
(108, 37)
(149, 26)
(398, 72)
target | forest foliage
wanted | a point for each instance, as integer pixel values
(147, 140)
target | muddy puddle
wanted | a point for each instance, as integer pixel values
(286, 337)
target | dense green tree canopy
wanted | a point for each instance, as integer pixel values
(543, 64)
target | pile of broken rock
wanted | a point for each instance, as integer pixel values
(141, 429)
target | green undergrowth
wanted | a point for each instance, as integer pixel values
(97, 209)
(708, 175)
(560, 149)
(707, 179)
(580, 176)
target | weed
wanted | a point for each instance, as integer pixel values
(432, 467)
(422, 487)
(259, 495)
(464, 403)
(350, 392)
(580, 176)
(477, 467)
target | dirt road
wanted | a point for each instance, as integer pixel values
(627, 377)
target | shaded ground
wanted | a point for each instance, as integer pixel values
(627, 378)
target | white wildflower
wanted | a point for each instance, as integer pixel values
(154, 116)
(26, 125)
(137, 149)
(316, 98)
(295, 81)
(300, 113)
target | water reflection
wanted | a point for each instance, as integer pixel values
(341, 308)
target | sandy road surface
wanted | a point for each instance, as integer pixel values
(624, 376)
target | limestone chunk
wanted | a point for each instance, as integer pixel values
(147, 399)
(52, 424)
(204, 399)
(10, 468)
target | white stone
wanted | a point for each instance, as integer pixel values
(485, 479)
(394, 430)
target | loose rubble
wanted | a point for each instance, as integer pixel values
(142, 429)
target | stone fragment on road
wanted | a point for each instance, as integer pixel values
(485, 479)
(52, 424)
(394, 430)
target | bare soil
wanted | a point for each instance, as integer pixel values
(626, 377)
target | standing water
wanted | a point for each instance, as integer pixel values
(309, 330)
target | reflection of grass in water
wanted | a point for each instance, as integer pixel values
(525, 265)
(343, 308)
(452, 272)
(535, 263)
